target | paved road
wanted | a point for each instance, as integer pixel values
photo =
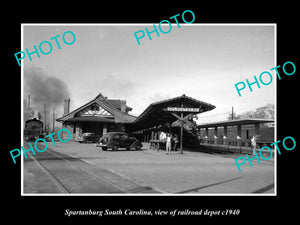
(53, 172)
(84, 168)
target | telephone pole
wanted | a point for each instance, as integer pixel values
(53, 120)
(45, 119)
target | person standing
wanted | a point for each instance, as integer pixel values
(253, 143)
(175, 142)
(168, 144)
(162, 139)
(162, 136)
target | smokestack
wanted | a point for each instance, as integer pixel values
(45, 118)
(53, 121)
(66, 106)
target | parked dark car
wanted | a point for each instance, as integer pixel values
(116, 140)
(87, 137)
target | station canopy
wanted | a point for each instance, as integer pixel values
(162, 112)
(235, 122)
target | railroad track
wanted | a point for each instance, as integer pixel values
(72, 175)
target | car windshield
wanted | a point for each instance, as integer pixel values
(111, 135)
(117, 136)
(125, 136)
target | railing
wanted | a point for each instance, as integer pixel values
(226, 142)
(229, 145)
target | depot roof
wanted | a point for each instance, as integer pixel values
(107, 112)
(90, 119)
(235, 122)
(155, 114)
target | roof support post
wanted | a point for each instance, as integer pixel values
(239, 135)
(144, 135)
(181, 118)
(104, 128)
(257, 130)
(206, 136)
(225, 141)
(181, 132)
(216, 135)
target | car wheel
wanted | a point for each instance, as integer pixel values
(104, 148)
(127, 148)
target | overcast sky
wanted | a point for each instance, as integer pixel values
(201, 61)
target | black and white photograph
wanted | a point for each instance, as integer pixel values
(163, 117)
(137, 114)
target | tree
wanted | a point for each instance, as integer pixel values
(235, 116)
(264, 112)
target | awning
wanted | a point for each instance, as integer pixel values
(89, 119)
(234, 122)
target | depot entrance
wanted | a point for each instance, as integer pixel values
(174, 116)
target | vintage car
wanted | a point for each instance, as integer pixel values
(87, 137)
(116, 140)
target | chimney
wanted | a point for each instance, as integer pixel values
(66, 106)
(123, 105)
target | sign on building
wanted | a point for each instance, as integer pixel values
(181, 109)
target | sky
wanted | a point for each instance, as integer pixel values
(203, 61)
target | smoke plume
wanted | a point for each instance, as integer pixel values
(43, 88)
(46, 92)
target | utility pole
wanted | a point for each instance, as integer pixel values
(232, 113)
(53, 120)
(45, 119)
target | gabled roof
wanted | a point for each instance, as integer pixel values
(116, 115)
(91, 119)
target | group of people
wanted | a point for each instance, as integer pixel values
(170, 140)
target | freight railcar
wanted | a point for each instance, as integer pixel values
(33, 129)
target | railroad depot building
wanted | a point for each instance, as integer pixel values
(173, 115)
(99, 116)
(102, 115)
